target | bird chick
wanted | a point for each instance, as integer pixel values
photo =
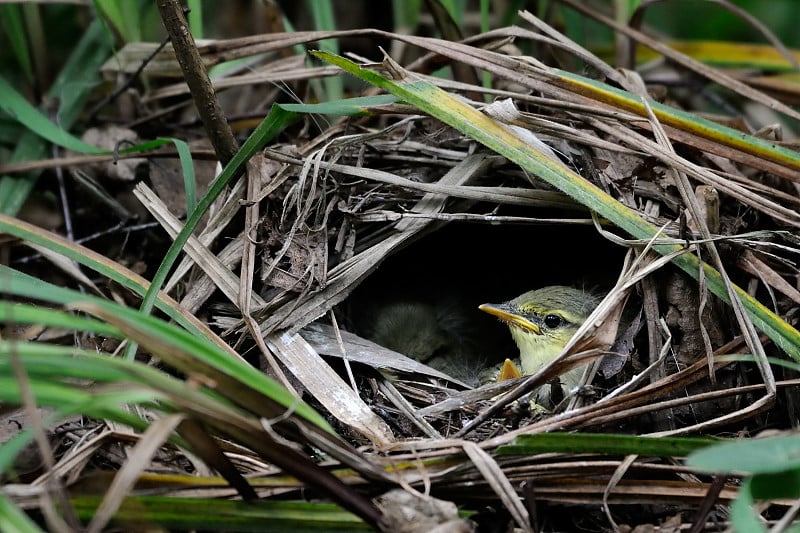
(436, 334)
(541, 322)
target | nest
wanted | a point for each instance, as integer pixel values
(378, 214)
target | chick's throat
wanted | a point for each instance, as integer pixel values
(538, 349)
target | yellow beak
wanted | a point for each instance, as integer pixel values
(503, 312)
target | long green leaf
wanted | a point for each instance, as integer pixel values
(15, 282)
(743, 516)
(227, 515)
(196, 355)
(67, 399)
(16, 106)
(15, 29)
(683, 120)
(124, 16)
(72, 94)
(348, 107)
(180, 348)
(13, 519)
(20, 284)
(323, 17)
(16, 313)
(604, 444)
(490, 133)
(750, 456)
(19, 108)
(71, 89)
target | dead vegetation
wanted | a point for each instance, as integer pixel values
(340, 218)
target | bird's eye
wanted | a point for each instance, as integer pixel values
(552, 321)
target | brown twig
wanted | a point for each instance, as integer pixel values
(205, 99)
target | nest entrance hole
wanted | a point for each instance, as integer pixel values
(423, 300)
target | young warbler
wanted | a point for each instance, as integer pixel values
(541, 323)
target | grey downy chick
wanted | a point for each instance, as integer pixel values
(436, 334)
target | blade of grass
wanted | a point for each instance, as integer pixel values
(71, 89)
(13, 191)
(14, 313)
(15, 30)
(227, 515)
(124, 16)
(605, 444)
(182, 349)
(20, 284)
(58, 376)
(234, 379)
(189, 352)
(488, 132)
(20, 109)
(405, 14)
(195, 18)
(13, 519)
(348, 107)
(727, 54)
(682, 120)
(322, 15)
(751, 456)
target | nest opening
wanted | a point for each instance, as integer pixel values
(423, 300)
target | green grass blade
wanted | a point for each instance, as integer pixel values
(20, 284)
(195, 355)
(322, 15)
(15, 30)
(349, 107)
(71, 89)
(16, 313)
(750, 456)
(195, 18)
(13, 519)
(18, 107)
(70, 397)
(187, 168)
(683, 120)
(124, 16)
(227, 515)
(488, 132)
(180, 348)
(604, 444)
(15, 282)
(743, 517)
(405, 14)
